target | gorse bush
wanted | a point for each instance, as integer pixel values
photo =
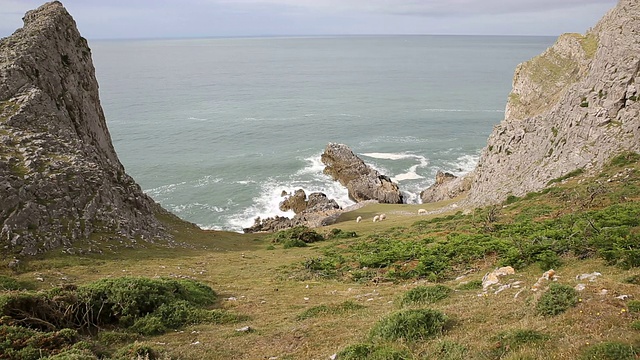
(296, 236)
(140, 305)
(425, 295)
(557, 300)
(410, 325)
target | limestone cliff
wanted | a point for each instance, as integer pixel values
(60, 178)
(574, 106)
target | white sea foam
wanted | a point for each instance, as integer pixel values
(390, 156)
(197, 119)
(464, 164)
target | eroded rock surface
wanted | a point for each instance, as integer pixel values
(60, 179)
(575, 106)
(447, 186)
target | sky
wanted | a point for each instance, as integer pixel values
(134, 19)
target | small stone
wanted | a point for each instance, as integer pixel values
(623, 297)
(244, 329)
(580, 287)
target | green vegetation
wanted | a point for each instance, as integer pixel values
(299, 301)
(558, 299)
(298, 236)
(568, 175)
(55, 321)
(589, 44)
(372, 352)
(410, 325)
(611, 351)
(422, 295)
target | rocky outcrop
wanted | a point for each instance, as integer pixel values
(315, 211)
(447, 186)
(575, 106)
(362, 182)
(61, 182)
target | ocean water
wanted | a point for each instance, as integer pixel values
(216, 129)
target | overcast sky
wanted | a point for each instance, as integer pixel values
(110, 19)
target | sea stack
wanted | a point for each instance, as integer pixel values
(575, 106)
(61, 183)
(363, 182)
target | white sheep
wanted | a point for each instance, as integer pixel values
(376, 218)
(383, 217)
(358, 219)
(422, 212)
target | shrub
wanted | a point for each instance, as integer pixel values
(137, 351)
(341, 234)
(9, 283)
(296, 235)
(372, 352)
(410, 325)
(291, 243)
(557, 299)
(73, 354)
(115, 337)
(425, 295)
(548, 259)
(634, 279)
(610, 351)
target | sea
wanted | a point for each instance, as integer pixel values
(216, 129)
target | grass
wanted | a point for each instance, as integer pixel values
(340, 295)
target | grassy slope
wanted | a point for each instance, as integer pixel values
(273, 287)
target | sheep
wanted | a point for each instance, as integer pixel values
(422, 212)
(358, 219)
(376, 218)
(383, 217)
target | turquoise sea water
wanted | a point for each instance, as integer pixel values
(215, 129)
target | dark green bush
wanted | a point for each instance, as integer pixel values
(137, 351)
(610, 351)
(297, 234)
(557, 299)
(115, 337)
(25, 344)
(291, 243)
(341, 234)
(372, 352)
(410, 325)
(425, 295)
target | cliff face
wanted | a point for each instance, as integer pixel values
(60, 178)
(574, 106)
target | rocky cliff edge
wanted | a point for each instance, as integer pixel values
(575, 106)
(61, 182)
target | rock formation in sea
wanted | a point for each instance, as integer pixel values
(575, 106)
(363, 182)
(61, 183)
(312, 211)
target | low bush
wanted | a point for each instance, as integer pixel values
(341, 234)
(372, 352)
(297, 235)
(610, 351)
(557, 300)
(421, 295)
(410, 325)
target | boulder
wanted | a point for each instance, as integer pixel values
(363, 182)
(296, 202)
(318, 210)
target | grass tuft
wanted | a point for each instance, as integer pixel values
(410, 325)
(425, 295)
(558, 299)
